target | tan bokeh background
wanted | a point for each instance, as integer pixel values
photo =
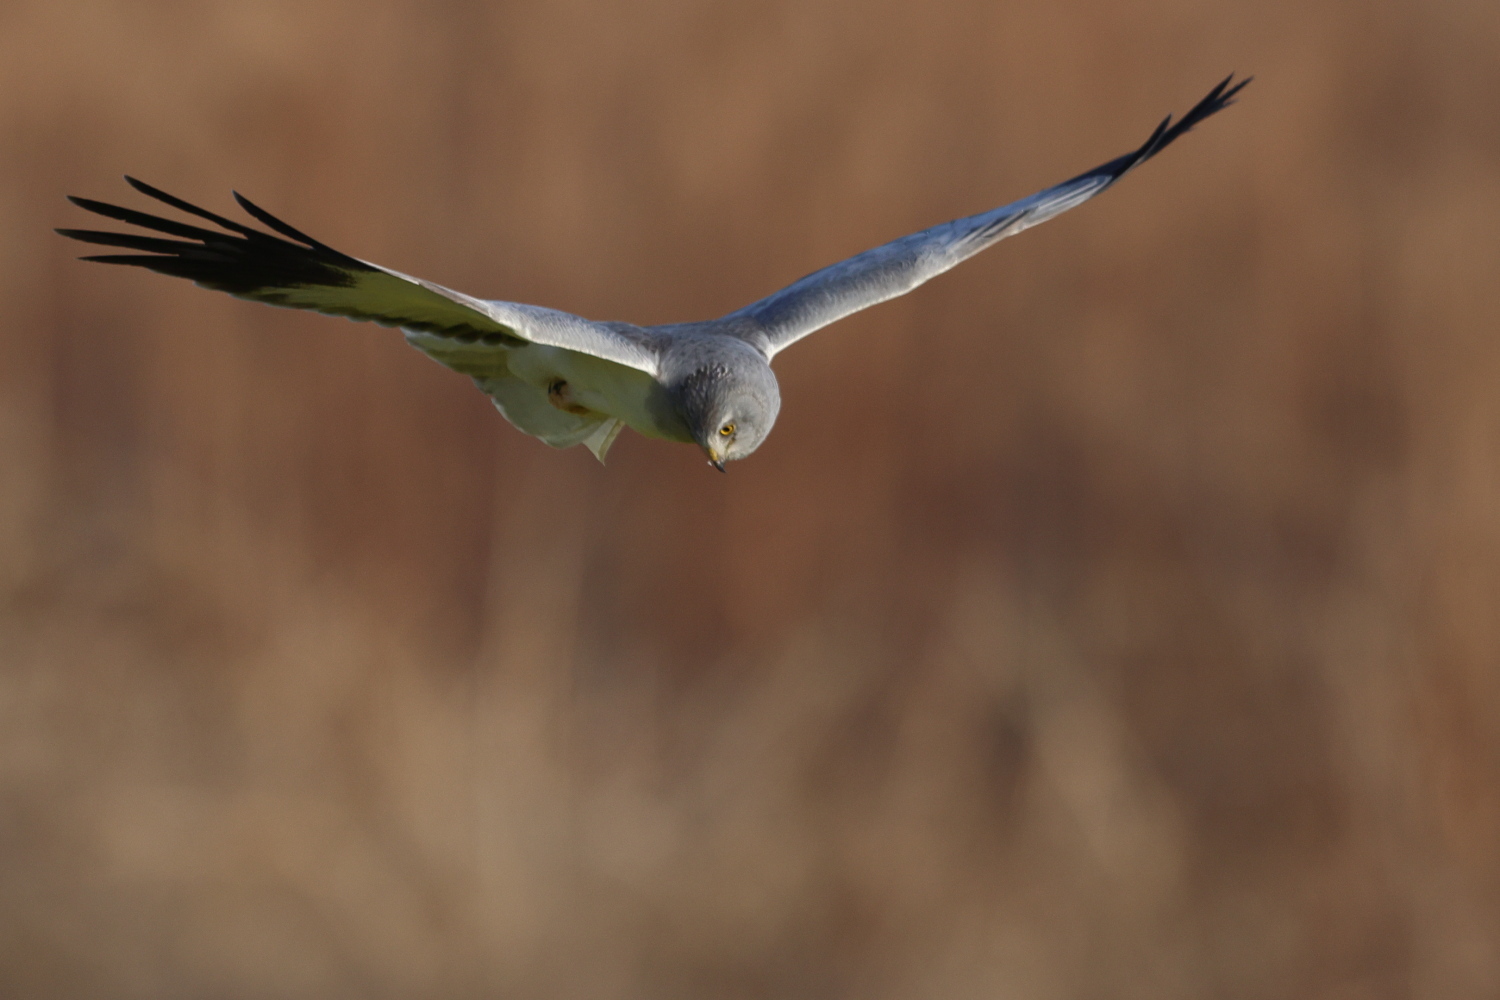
(1116, 616)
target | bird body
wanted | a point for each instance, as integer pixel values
(567, 380)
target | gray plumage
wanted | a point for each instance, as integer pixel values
(569, 380)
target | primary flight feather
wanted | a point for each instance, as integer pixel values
(569, 380)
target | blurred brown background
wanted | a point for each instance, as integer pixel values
(1116, 616)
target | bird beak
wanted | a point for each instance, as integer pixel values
(714, 458)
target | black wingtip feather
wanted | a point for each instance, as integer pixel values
(240, 260)
(1217, 100)
(1221, 97)
(143, 220)
(191, 209)
(132, 241)
(281, 227)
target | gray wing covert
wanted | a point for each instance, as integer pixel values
(783, 318)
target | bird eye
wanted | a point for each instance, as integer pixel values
(726, 430)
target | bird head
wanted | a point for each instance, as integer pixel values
(729, 408)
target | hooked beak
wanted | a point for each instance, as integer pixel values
(714, 458)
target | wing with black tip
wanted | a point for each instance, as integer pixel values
(294, 270)
(781, 319)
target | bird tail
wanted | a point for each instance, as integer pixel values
(604, 436)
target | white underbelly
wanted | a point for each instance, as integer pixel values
(597, 386)
(560, 396)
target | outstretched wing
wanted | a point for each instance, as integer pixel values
(301, 273)
(885, 272)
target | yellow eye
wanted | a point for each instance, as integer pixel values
(726, 430)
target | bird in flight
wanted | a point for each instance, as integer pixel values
(569, 380)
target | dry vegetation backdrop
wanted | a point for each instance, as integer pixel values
(1116, 616)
